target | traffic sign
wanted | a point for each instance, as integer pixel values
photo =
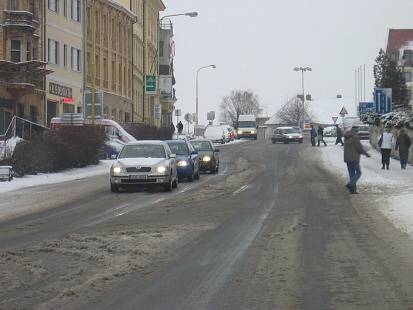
(335, 118)
(178, 112)
(343, 112)
(383, 98)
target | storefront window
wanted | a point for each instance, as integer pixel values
(15, 51)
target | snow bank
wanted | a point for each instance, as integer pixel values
(54, 178)
(393, 188)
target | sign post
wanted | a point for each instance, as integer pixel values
(335, 118)
(178, 113)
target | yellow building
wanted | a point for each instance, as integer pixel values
(64, 45)
(113, 57)
(22, 66)
(145, 57)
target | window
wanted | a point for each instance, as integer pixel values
(65, 56)
(53, 5)
(105, 69)
(33, 114)
(13, 5)
(408, 77)
(53, 51)
(65, 8)
(28, 51)
(15, 51)
(76, 59)
(76, 10)
(161, 47)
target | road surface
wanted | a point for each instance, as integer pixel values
(273, 230)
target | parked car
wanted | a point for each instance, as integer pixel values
(6, 173)
(330, 131)
(287, 135)
(217, 134)
(187, 159)
(208, 155)
(144, 163)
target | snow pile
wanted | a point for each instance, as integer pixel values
(393, 119)
(390, 190)
(54, 178)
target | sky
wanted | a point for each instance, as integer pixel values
(255, 45)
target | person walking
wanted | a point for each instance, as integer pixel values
(353, 149)
(386, 143)
(339, 136)
(320, 133)
(180, 127)
(403, 144)
(313, 135)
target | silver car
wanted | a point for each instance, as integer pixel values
(144, 163)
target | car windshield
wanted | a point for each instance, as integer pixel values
(246, 125)
(178, 148)
(4, 170)
(202, 145)
(143, 151)
(363, 128)
(296, 130)
(289, 130)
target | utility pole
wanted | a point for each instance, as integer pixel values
(143, 58)
(93, 62)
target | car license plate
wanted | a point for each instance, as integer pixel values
(138, 177)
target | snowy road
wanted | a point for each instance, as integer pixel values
(274, 230)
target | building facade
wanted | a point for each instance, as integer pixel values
(400, 49)
(166, 72)
(111, 57)
(64, 46)
(22, 66)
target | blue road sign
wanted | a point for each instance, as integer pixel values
(365, 107)
(383, 100)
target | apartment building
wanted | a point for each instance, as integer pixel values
(64, 45)
(22, 66)
(113, 56)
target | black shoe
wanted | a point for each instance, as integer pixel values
(382, 168)
(387, 167)
(348, 186)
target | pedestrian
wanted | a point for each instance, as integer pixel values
(180, 127)
(313, 135)
(403, 144)
(320, 133)
(386, 143)
(352, 151)
(339, 133)
(172, 128)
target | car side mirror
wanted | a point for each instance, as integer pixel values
(172, 156)
(217, 151)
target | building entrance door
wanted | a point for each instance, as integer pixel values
(51, 111)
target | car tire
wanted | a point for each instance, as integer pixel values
(114, 188)
(285, 142)
(168, 186)
(192, 177)
(301, 141)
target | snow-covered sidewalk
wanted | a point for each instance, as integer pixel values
(392, 190)
(54, 178)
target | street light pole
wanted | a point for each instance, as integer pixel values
(303, 69)
(197, 89)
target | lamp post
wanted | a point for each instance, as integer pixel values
(197, 89)
(302, 69)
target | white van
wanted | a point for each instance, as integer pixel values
(216, 133)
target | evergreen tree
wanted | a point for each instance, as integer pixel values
(388, 75)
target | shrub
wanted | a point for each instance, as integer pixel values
(146, 132)
(56, 150)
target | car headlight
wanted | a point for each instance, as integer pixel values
(116, 169)
(239, 132)
(290, 137)
(182, 163)
(161, 169)
(300, 137)
(207, 158)
(252, 131)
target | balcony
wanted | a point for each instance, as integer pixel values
(21, 20)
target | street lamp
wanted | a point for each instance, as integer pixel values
(189, 14)
(197, 88)
(302, 78)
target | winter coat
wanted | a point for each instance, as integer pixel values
(339, 133)
(352, 148)
(313, 133)
(320, 131)
(387, 140)
(403, 144)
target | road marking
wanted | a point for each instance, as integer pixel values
(120, 214)
(240, 190)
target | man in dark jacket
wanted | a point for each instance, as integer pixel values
(180, 127)
(320, 132)
(339, 135)
(352, 151)
(403, 144)
(313, 135)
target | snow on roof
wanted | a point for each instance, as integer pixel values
(273, 120)
(324, 110)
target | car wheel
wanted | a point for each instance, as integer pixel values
(168, 186)
(285, 142)
(192, 177)
(301, 141)
(114, 188)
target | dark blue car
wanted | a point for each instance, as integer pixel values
(187, 159)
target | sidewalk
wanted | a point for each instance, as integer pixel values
(391, 190)
(58, 177)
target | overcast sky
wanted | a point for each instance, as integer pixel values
(255, 45)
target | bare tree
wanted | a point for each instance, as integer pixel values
(294, 111)
(239, 102)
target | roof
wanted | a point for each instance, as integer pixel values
(398, 38)
(146, 142)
